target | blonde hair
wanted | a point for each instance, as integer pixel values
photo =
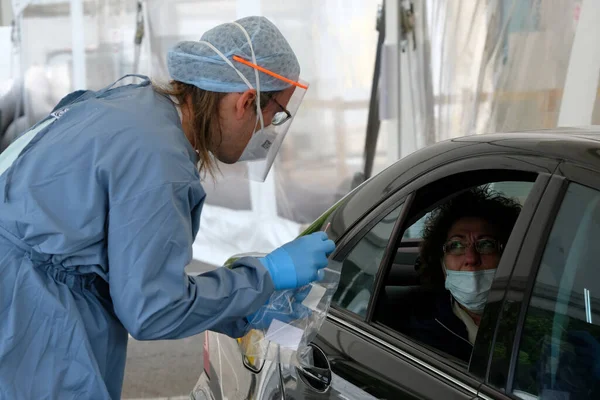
(206, 126)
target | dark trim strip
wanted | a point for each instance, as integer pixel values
(433, 370)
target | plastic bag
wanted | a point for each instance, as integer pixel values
(291, 319)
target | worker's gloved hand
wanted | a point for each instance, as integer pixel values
(285, 307)
(298, 262)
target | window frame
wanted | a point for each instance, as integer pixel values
(359, 232)
(518, 289)
(478, 164)
(489, 318)
(350, 239)
(528, 263)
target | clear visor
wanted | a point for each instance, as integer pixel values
(260, 152)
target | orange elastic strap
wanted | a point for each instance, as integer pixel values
(273, 74)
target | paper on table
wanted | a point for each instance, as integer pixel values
(285, 335)
(314, 296)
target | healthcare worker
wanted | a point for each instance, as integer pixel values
(100, 203)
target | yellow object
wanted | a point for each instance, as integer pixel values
(251, 346)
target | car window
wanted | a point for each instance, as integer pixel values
(435, 319)
(360, 266)
(559, 352)
(415, 231)
(513, 189)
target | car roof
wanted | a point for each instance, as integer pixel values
(580, 145)
(529, 140)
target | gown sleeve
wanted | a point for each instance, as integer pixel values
(152, 224)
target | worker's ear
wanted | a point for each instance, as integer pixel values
(245, 103)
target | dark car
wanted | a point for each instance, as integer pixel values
(547, 285)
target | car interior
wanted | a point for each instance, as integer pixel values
(403, 291)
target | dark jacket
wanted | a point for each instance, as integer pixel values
(434, 323)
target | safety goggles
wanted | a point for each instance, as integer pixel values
(457, 247)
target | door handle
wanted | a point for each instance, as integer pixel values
(317, 372)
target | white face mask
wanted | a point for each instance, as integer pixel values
(470, 288)
(259, 145)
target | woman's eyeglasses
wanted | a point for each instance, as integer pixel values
(458, 247)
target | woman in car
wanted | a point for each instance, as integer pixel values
(462, 244)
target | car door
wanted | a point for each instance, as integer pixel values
(547, 342)
(358, 356)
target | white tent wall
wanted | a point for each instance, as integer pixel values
(57, 57)
(581, 84)
(495, 65)
(109, 28)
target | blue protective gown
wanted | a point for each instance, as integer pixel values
(97, 219)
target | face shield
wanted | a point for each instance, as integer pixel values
(260, 152)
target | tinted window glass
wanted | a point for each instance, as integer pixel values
(559, 354)
(513, 189)
(361, 265)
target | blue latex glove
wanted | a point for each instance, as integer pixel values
(285, 308)
(298, 262)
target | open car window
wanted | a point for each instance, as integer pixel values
(420, 309)
(512, 189)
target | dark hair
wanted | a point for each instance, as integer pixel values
(479, 202)
(205, 110)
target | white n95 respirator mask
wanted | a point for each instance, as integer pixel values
(259, 145)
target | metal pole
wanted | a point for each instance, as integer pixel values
(373, 122)
(139, 36)
(427, 70)
(391, 67)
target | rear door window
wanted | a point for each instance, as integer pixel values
(559, 351)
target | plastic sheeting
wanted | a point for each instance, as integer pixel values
(291, 319)
(489, 65)
(43, 48)
(469, 67)
(335, 44)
